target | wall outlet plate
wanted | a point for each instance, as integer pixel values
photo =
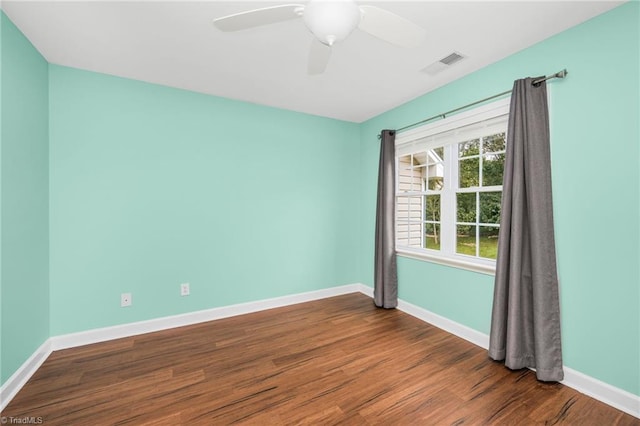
(184, 289)
(125, 300)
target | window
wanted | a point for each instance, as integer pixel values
(449, 188)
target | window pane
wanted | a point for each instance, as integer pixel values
(415, 209)
(432, 207)
(432, 236)
(437, 154)
(489, 242)
(435, 169)
(415, 234)
(419, 178)
(419, 158)
(402, 207)
(402, 233)
(408, 234)
(468, 148)
(405, 174)
(466, 240)
(469, 173)
(490, 207)
(466, 207)
(436, 183)
(492, 169)
(409, 209)
(493, 143)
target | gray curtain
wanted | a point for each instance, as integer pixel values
(525, 323)
(385, 292)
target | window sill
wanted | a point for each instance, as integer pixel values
(487, 269)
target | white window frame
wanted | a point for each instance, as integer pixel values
(447, 255)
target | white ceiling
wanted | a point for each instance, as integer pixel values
(175, 44)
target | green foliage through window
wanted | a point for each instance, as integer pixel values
(480, 165)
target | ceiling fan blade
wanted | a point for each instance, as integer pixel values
(319, 55)
(258, 17)
(390, 27)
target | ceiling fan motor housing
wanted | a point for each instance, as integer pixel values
(331, 20)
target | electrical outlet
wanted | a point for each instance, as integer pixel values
(125, 300)
(184, 289)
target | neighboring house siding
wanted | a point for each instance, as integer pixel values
(408, 234)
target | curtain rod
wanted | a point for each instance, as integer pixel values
(559, 74)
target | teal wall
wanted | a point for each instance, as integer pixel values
(149, 186)
(594, 116)
(24, 196)
(153, 186)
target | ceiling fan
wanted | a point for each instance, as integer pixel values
(330, 21)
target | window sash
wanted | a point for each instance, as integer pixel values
(481, 122)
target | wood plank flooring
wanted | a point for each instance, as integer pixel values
(332, 361)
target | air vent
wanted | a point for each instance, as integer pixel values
(443, 63)
(451, 59)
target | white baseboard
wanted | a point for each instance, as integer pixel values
(604, 392)
(141, 327)
(615, 397)
(610, 395)
(366, 290)
(18, 379)
(462, 331)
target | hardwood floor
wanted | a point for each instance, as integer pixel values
(337, 360)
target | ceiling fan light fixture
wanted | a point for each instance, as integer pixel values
(331, 20)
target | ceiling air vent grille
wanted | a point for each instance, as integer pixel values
(443, 63)
(451, 59)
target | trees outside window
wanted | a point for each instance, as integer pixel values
(478, 197)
